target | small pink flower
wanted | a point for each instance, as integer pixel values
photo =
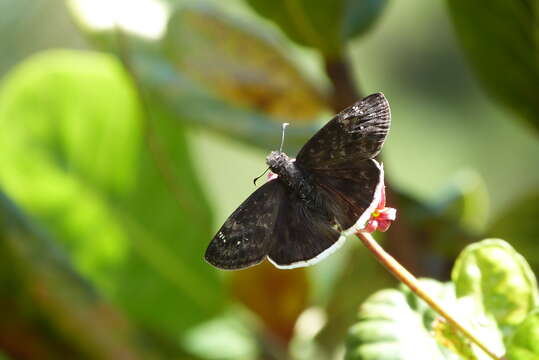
(382, 216)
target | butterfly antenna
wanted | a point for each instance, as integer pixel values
(258, 177)
(282, 135)
(283, 127)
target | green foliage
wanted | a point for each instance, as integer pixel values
(500, 38)
(179, 96)
(524, 344)
(324, 25)
(349, 286)
(77, 153)
(240, 64)
(499, 279)
(115, 179)
(47, 304)
(493, 293)
(394, 325)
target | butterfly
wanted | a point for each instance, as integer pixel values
(329, 191)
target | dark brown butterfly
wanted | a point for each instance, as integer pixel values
(328, 192)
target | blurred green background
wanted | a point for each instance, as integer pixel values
(130, 130)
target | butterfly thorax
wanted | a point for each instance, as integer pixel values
(289, 173)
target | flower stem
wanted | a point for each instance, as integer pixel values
(411, 281)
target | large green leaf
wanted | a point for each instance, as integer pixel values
(322, 24)
(499, 279)
(524, 344)
(74, 153)
(501, 40)
(192, 97)
(394, 325)
(240, 65)
(49, 312)
(179, 96)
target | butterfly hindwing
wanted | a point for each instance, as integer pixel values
(247, 235)
(306, 232)
(352, 194)
(304, 235)
(356, 133)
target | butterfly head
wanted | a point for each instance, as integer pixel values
(285, 168)
(277, 160)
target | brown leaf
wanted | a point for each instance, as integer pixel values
(240, 65)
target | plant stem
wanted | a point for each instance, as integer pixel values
(411, 281)
(345, 91)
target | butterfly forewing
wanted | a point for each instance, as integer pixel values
(247, 235)
(356, 133)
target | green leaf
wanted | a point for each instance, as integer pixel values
(524, 344)
(175, 94)
(395, 325)
(499, 279)
(74, 153)
(469, 313)
(446, 334)
(239, 64)
(519, 223)
(182, 96)
(346, 285)
(49, 311)
(501, 40)
(324, 25)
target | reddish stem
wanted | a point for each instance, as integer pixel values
(403, 275)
